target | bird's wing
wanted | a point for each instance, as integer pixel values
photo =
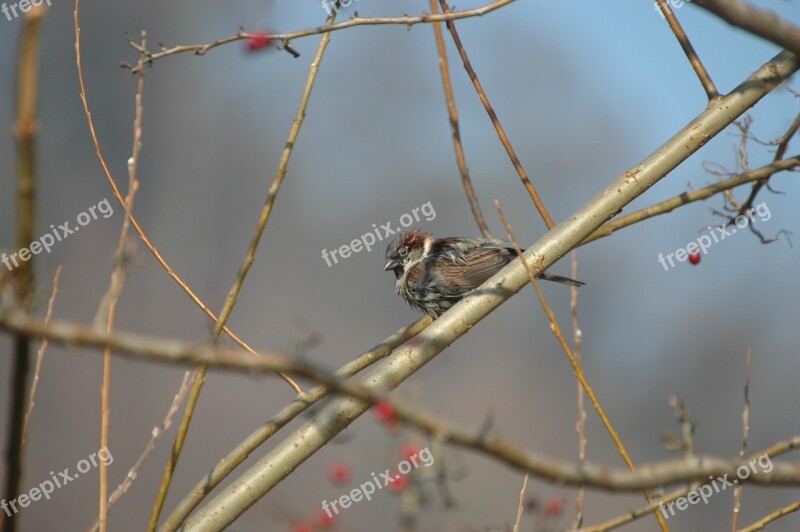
(480, 263)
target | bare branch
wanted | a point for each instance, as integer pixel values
(688, 49)
(673, 203)
(201, 49)
(757, 21)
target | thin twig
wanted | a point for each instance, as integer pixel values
(108, 307)
(687, 425)
(40, 357)
(133, 472)
(580, 425)
(691, 196)
(201, 49)
(737, 492)
(783, 145)
(556, 330)
(455, 130)
(772, 517)
(537, 201)
(688, 49)
(521, 492)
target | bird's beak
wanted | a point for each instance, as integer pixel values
(391, 264)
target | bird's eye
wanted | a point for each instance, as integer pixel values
(403, 251)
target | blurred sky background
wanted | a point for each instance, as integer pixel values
(585, 90)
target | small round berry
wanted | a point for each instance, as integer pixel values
(399, 484)
(323, 520)
(555, 506)
(340, 472)
(694, 257)
(384, 411)
(408, 451)
(257, 41)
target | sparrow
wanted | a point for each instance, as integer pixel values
(433, 274)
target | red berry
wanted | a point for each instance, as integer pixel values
(400, 483)
(302, 527)
(340, 472)
(409, 451)
(383, 411)
(323, 520)
(555, 506)
(694, 257)
(257, 41)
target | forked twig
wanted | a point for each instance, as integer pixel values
(201, 49)
(673, 203)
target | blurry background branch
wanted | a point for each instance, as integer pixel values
(690, 467)
(201, 49)
(757, 21)
(25, 129)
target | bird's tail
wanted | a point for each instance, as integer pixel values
(549, 276)
(557, 278)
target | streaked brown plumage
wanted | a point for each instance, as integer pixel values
(433, 274)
